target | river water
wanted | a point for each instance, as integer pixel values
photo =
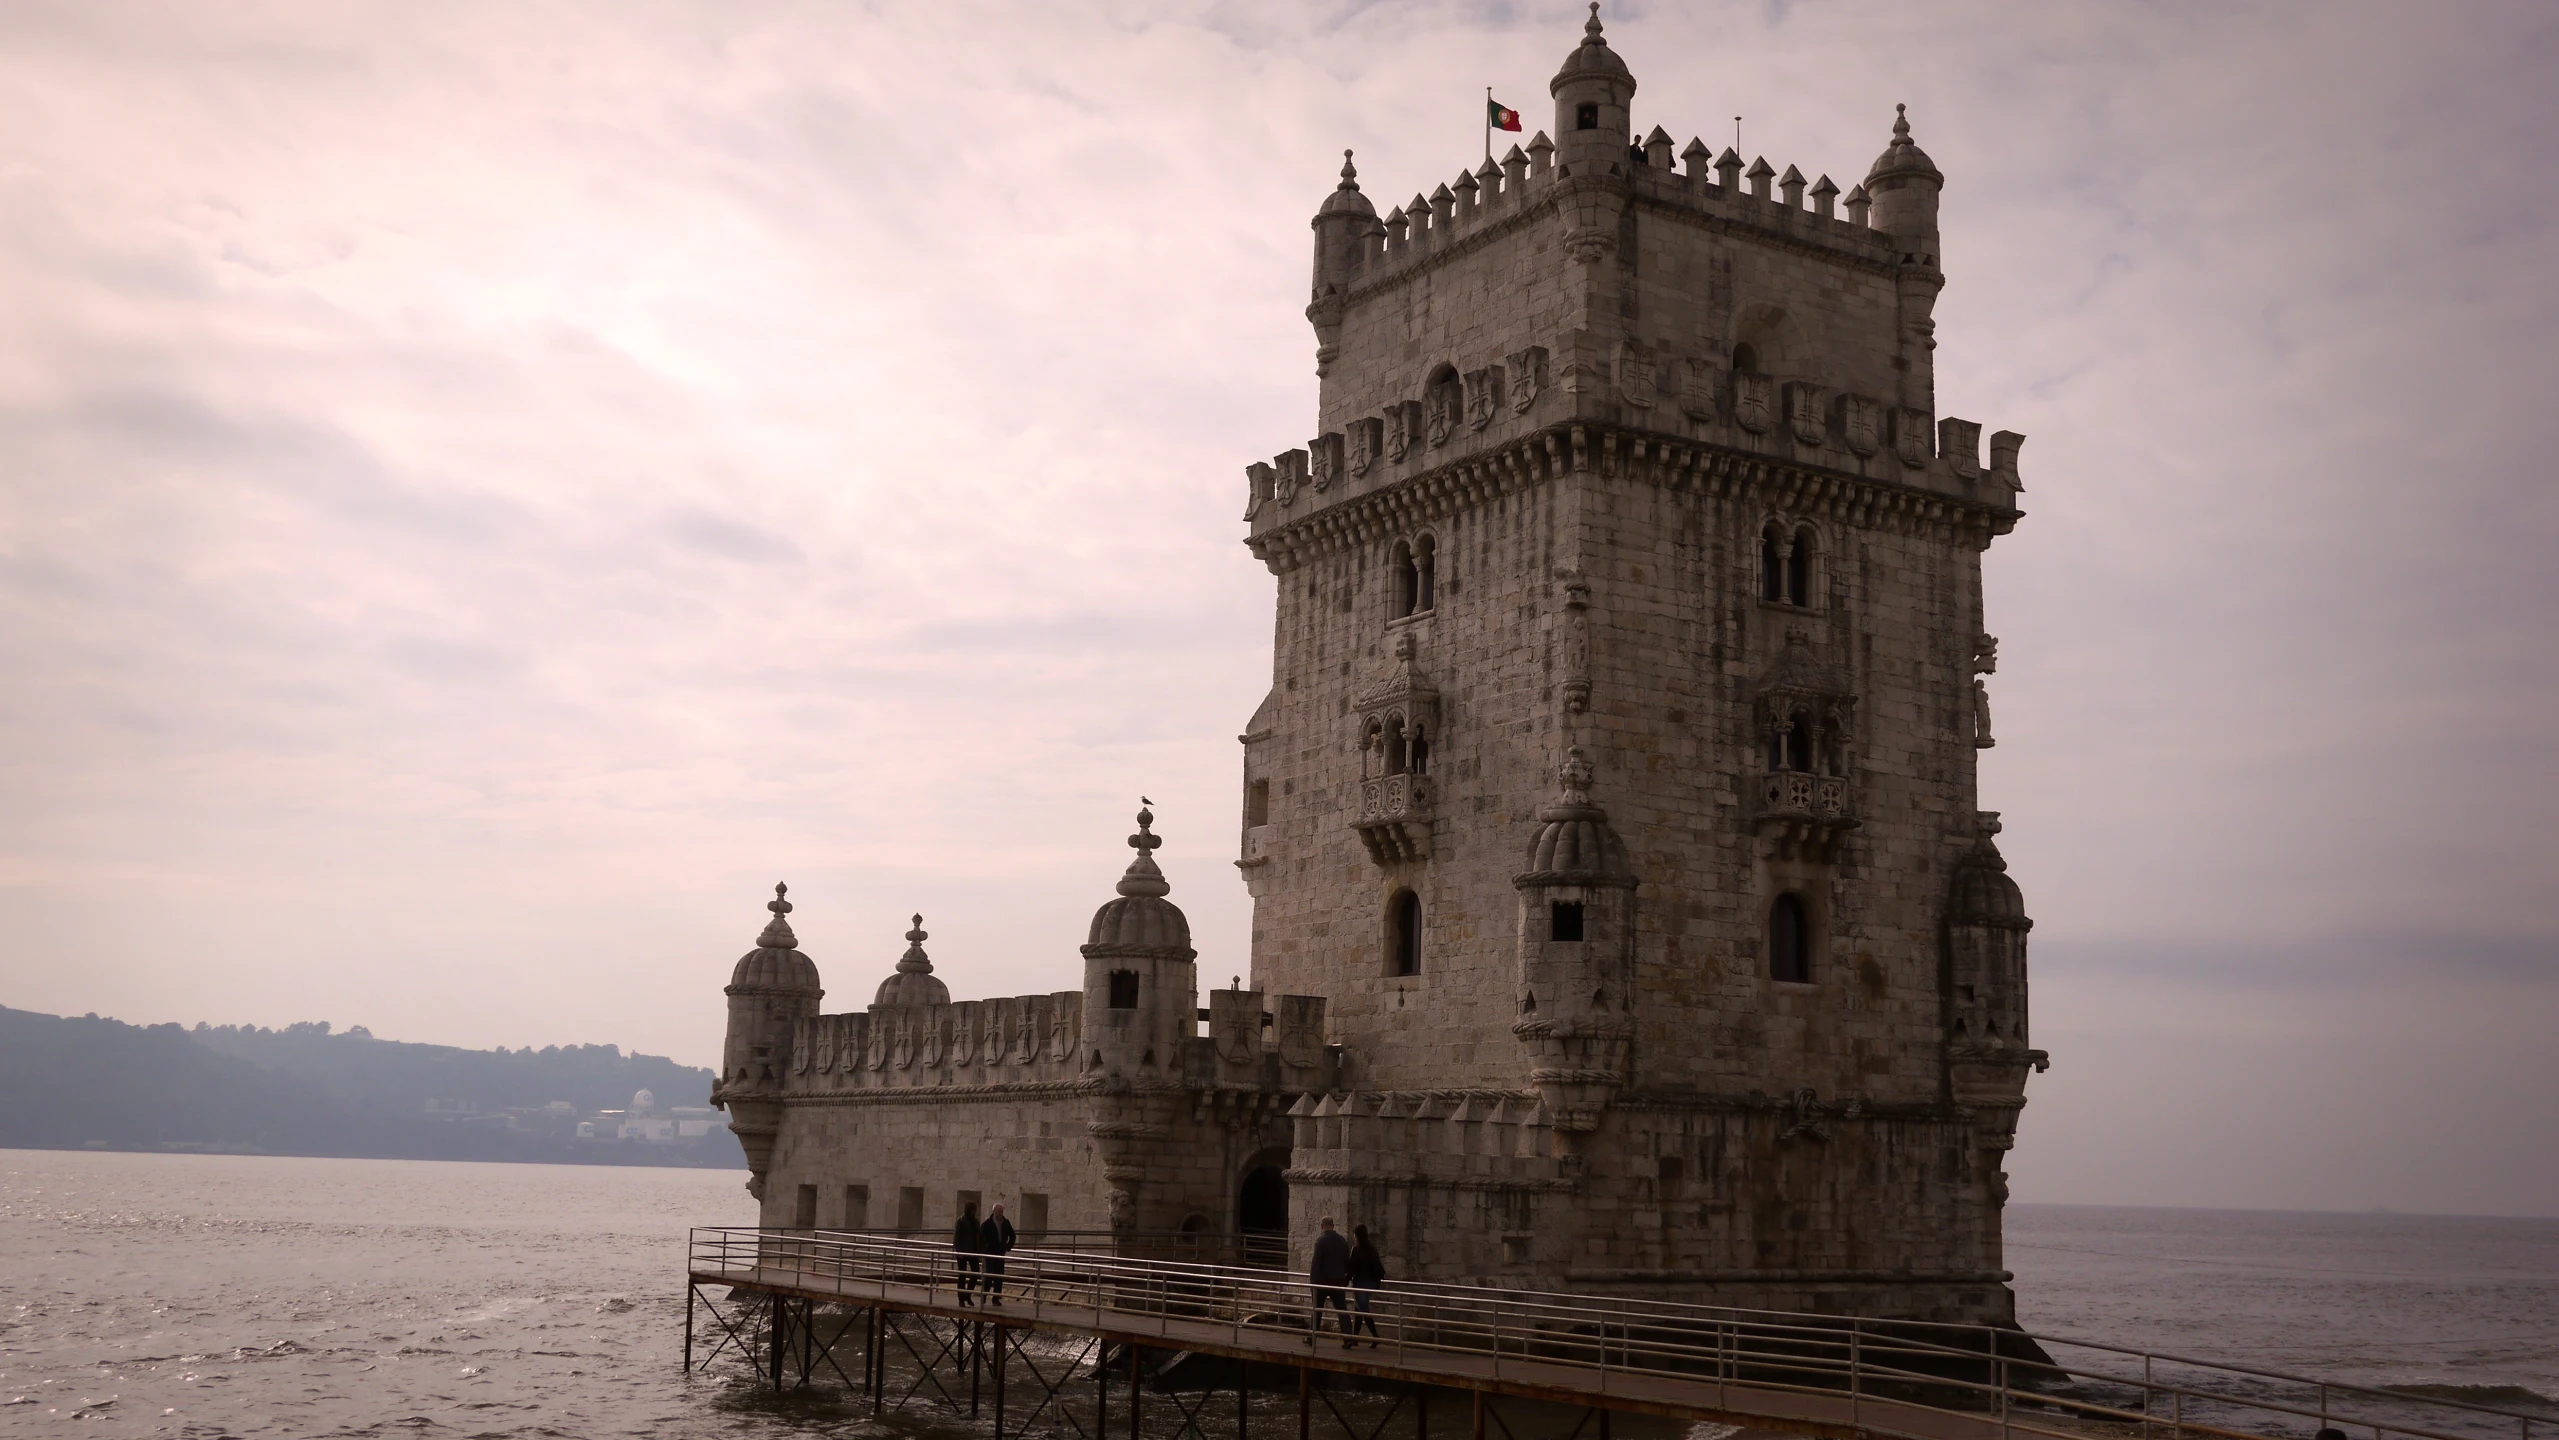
(206, 1296)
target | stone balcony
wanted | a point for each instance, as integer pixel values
(1805, 814)
(1395, 818)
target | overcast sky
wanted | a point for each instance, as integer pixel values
(486, 490)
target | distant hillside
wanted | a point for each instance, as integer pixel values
(303, 1090)
(352, 1064)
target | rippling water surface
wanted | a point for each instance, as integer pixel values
(219, 1295)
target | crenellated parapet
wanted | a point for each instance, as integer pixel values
(967, 1044)
(1459, 1138)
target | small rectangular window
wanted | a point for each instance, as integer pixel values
(804, 1214)
(910, 1209)
(857, 1207)
(1257, 803)
(1034, 1214)
(1586, 117)
(1564, 921)
(1667, 1178)
(1123, 989)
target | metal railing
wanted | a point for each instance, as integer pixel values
(1884, 1376)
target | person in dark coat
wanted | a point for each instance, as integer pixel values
(1329, 1271)
(1368, 1274)
(964, 1243)
(994, 1238)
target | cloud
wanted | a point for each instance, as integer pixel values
(484, 491)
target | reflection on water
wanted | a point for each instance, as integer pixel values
(229, 1295)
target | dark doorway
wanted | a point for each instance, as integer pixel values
(1261, 1216)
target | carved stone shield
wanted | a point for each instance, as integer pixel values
(824, 1061)
(1292, 476)
(1400, 436)
(1442, 401)
(1483, 396)
(936, 1040)
(1635, 375)
(1754, 402)
(801, 1046)
(1960, 442)
(876, 1054)
(1324, 460)
(1527, 376)
(902, 1049)
(1301, 1029)
(1697, 389)
(1912, 444)
(1806, 407)
(1365, 440)
(1861, 423)
(1258, 482)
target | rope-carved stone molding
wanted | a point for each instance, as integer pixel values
(1680, 466)
(1407, 1180)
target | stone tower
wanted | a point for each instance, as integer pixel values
(1616, 783)
(771, 992)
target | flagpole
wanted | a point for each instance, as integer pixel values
(1488, 122)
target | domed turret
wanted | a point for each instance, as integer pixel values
(914, 983)
(1592, 93)
(771, 990)
(1576, 955)
(776, 962)
(1141, 918)
(1903, 186)
(1140, 992)
(1986, 929)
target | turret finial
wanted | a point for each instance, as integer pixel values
(1576, 777)
(1142, 877)
(1590, 27)
(1350, 173)
(777, 931)
(1901, 125)
(913, 962)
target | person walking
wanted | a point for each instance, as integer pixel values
(1368, 1274)
(1329, 1271)
(964, 1243)
(994, 1239)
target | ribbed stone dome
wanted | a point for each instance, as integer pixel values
(776, 962)
(1982, 893)
(1575, 844)
(1141, 918)
(1592, 59)
(914, 983)
(1903, 156)
(1346, 199)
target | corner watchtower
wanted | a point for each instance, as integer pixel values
(1627, 469)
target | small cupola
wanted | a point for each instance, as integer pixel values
(1593, 92)
(1141, 919)
(776, 964)
(1575, 845)
(914, 983)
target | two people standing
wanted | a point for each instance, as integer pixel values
(981, 1246)
(1341, 1271)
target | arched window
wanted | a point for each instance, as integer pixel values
(1372, 751)
(1799, 569)
(1398, 755)
(1790, 940)
(1425, 572)
(1745, 359)
(1772, 565)
(1407, 581)
(1420, 753)
(1791, 748)
(1834, 750)
(1404, 934)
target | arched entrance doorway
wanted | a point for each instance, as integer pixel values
(1261, 1215)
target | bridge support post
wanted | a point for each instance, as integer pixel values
(1136, 1390)
(1001, 1345)
(1305, 1393)
(977, 1357)
(1421, 1412)
(688, 1326)
(1479, 1415)
(879, 1357)
(775, 1333)
(1102, 1389)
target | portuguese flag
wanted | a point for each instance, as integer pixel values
(1500, 118)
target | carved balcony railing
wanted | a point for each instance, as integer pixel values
(1805, 814)
(1395, 817)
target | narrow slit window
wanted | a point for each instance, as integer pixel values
(1790, 946)
(1404, 934)
(1257, 803)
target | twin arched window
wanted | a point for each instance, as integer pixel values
(1808, 747)
(1396, 751)
(1786, 565)
(1790, 940)
(1416, 577)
